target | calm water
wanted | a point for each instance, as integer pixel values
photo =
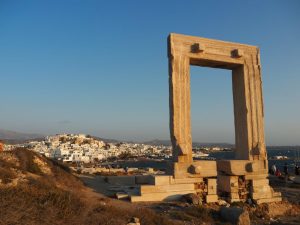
(291, 154)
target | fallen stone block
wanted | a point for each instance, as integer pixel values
(212, 191)
(115, 170)
(234, 195)
(261, 195)
(228, 183)
(235, 215)
(201, 168)
(166, 188)
(211, 198)
(161, 180)
(212, 186)
(242, 167)
(261, 189)
(164, 196)
(261, 182)
(256, 176)
(121, 195)
(231, 200)
(187, 180)
(267, 200)
(212, 182)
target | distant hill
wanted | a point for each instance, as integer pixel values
(106, 139)
(220, 144)
(195, 144)
(158, 142)
(15, 137)
(285, 148)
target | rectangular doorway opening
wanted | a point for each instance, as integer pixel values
(212, 112)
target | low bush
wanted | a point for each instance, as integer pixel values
(26, 160)
(6, 175)
(110, 215)
(57, 197)
(194, 214)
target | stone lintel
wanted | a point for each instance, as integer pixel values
(242, 167)
(201, 169)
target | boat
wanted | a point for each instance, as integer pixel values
(200, 154)
(279, 157)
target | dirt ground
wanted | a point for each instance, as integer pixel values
(285, 212)
(35, 190)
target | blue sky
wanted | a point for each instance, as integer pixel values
(101, 67)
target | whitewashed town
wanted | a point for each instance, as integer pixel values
(86, 149)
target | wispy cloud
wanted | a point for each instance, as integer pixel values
(64, 122)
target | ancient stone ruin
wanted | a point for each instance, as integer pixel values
(246, 176)
(242, 178)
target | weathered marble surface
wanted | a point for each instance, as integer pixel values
(244, 62)
(239, 179)
(247, 175)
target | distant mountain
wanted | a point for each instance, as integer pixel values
(195, 144)
(158, 142)
(284, 148)
(220, 144)
(106, 139)
(17, 136)
(216, 144)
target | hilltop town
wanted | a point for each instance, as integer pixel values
(87, 149)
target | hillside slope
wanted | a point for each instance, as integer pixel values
(36, 190)
(12, 135)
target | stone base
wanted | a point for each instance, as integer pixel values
(185, 178)
(239, 180)
(211, 198)
(168, 188)
(200, 168)
(267, 200)
(165, 196)
(242, 167)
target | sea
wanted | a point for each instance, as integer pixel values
(293, 157)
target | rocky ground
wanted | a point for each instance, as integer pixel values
(36, 190)
(189, 212)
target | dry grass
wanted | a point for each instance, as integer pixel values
(113, 215)
(57, 198)
(6, 175)
(36, 198)
(195, 215)
(38, 203)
